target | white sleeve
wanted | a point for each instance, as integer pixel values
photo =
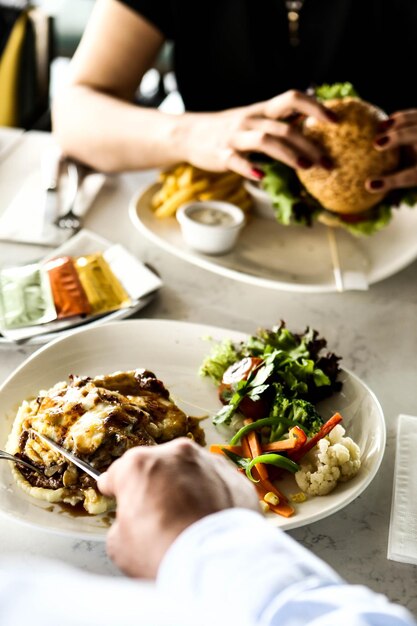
(234, 566)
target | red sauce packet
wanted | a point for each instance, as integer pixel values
(69, 296)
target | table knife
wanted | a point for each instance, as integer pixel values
(50, 170)
(86, 467)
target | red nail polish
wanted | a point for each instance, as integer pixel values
(385, 125)
(304, 163)
(376, 184)
(326, 163)
(257, 173)
(382, 141)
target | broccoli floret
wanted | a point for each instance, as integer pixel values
(301, 412)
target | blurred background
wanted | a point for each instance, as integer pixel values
(37, 41)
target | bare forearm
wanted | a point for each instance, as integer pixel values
(112, 135)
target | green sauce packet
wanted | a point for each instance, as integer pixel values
(25, 297)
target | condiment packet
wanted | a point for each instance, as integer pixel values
(69, 296)
(103, 289)
(25, 297)
(137, 280)
(402, 540)
(133, 275)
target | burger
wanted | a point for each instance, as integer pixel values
(338, 197)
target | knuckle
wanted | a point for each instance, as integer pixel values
(293, 95)
(184, 445)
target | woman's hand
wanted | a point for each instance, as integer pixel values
(222, 141)
(398, 131)
(161, 490)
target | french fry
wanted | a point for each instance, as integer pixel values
(185, 178)
(183, 182)
(169, 207)
(218, 193)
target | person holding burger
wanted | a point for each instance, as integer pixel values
(242, 69)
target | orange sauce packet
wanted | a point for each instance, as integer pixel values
(68, 293)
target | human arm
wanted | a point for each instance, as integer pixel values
(399, 131)
(96, 121)
(192, 520)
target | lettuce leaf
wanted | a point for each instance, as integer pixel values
(292, 204)
(337, 90)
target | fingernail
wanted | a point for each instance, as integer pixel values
(385, 125)
(304, 163)
(326, 163)
(382, 141)
(257, 173)
(331, 115)
(376, 184)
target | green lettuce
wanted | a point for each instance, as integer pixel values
(336, 90)
(292, 204)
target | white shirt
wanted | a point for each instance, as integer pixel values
(229, 568)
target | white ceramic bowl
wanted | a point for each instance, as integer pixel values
(262, 203)
(211, 227)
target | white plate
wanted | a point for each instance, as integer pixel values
(174, 351)
(289, 258)
(87, 242)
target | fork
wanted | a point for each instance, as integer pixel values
(71, 221)
(9, 457)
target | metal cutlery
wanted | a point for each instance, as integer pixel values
(50, 173)
(71, 221)
(86, 467)
(9, 457)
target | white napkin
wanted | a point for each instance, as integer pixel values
(402, 540)
(23, 219)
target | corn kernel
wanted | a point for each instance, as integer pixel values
(264, 506)
(298, 497)
(271, 498)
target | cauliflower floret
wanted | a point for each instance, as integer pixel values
(334, 459)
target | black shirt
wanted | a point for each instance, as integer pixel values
(236, 52)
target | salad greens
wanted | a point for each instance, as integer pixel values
(294, 205)
(292, 375)
(336, 90)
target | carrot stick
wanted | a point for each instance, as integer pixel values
(218, 449)
(255, 450)
(323, 432)
(283, 507)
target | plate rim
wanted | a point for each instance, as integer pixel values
(377, 274)
(287, 524)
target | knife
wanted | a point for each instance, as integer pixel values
(50, 170)
(86, 467)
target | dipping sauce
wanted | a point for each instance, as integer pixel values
(211, 217)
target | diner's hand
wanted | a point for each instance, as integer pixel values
(221, 141)
(160, 491)
(398, 131)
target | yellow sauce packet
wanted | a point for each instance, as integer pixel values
(103, 289)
